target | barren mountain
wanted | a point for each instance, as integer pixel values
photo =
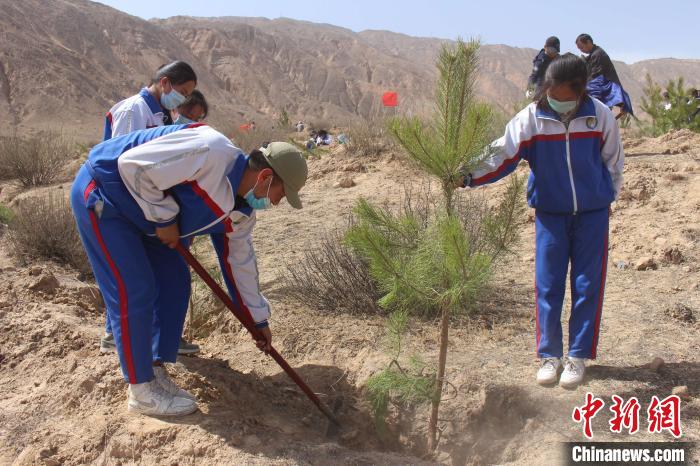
(64, 63)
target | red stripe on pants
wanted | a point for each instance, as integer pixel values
(600, 298)
(123, 299)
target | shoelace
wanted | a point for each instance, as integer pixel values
(572, 367)
(550, 362)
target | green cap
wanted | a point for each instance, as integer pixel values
(286, 160)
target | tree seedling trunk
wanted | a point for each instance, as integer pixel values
(439, 380)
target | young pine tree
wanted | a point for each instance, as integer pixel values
(675, 112)
(442, 265)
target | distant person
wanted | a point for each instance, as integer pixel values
(544, 57)
(169, 88)
(300, 126)
(572, 144)
(603, 82)
(694, 100)
(667, 105)
(194, 110)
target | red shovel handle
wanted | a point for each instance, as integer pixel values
(248, 323)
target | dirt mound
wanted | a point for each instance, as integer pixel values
(679, 141)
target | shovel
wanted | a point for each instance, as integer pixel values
(247, 322)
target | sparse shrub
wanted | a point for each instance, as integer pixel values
(283, 120)
(368, 138)
(680, 113)
(206, 312)
(332, 277)
(5, 215)
(44, 227)
(253, 139)
(37, 160)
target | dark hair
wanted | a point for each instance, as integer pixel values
(584, 38)
(567, 69)
(194, 99)
(552, 41)
(178, 72)
(257, 161)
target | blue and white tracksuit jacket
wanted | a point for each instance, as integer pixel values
(140, 111)
(132, 184)
(576, 173)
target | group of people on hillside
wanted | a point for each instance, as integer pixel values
(603, 81)
(161, 177)
(692, 100)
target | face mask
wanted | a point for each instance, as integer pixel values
(561, 107)
(258, 203)
(183, 120)
(172, 99)
(585, 54)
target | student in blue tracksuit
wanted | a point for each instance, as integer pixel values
(135, 197)
(151, 107)
(194, 110)
(170, 87)
(572, 145)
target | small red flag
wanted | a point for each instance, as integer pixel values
(390, 99)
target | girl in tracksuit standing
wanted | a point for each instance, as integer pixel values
(150, 108)
(572, 145)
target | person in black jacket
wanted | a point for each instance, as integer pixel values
(603, 82)
(599, 63)
(540, 64)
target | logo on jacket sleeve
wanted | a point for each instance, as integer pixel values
(591, 122)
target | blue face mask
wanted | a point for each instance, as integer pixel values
(561, 108)
(183, 120)
(172, 99)
(258, 203)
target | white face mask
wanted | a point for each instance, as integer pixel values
(172, 99)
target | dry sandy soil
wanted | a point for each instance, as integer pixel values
(62, 402)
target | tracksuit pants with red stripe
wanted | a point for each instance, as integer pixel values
(145, 285)
(582, 241)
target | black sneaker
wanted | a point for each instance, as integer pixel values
(107, 344)
(187, 347)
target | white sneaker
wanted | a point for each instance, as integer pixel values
(574, 369)
(151, 399)
(549, 371)
(164, 380)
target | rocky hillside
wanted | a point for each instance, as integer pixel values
(63, 63)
